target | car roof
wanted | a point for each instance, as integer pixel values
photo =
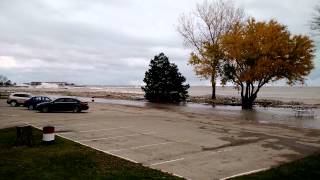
(67, 98)
(21, 93)
(41, 96)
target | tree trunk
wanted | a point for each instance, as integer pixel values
(213, 85)
(247, 101)
(24, 136)
(248, 96)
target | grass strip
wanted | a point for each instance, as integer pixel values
(65, 160)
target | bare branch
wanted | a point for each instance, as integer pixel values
(315, 23)
(208, 23)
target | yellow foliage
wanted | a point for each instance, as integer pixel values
(260, 52)
(207, 62)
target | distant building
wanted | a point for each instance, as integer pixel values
(35, 83)
(38, 83)
(58, 83)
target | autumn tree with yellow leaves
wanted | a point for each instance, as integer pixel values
(261, 52)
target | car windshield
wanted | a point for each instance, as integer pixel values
(46, 99)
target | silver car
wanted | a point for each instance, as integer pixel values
(17, 99)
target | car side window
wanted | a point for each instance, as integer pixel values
(47, 99)
(60, 100)
(21, 95)
(71, 100)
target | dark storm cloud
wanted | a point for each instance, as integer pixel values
(107, 42)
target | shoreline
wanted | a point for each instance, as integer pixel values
(220, 100)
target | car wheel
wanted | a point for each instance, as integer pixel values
(45, 109)
(13, 103)
(30, 107)
(76, 109)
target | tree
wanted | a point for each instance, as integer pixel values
(205, 27)
(3, 80)
(315, 24)
(8, 83)
(163, 82)
(263, 52)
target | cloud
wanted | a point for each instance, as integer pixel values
(7, 62)
(110, 42)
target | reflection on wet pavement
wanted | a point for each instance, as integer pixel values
(284, 116)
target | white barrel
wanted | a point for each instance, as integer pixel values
(48, 137)
(48, 134)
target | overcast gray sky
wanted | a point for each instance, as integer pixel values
(111, 42)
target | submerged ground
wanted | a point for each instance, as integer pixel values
(190, 144)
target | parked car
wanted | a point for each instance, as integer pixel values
(17, 99)
(32, 102)
(63, 104)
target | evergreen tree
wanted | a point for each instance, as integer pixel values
(164, 83)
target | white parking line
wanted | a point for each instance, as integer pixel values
(95, 130)
(114, 137)
(139, 147)
(80, 124)
(245, 173)
(164, 162)
(174, 160)
(10, 115)
(128, 159)
(108, 152)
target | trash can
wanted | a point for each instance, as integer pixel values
(48, 135)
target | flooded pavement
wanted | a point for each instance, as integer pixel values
(269, 115)
(193, 141)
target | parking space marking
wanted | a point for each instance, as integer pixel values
(80, 124)
(128, 159)
(180, 159)
(9, 115)
(96, 130)
(139, 147)
(245, 173)
(165, 162)
(114, 137)
(124, 127)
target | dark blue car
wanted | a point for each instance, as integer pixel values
(63, 104)
(34, 101)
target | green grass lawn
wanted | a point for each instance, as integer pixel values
(304, 169)
(65, 160)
